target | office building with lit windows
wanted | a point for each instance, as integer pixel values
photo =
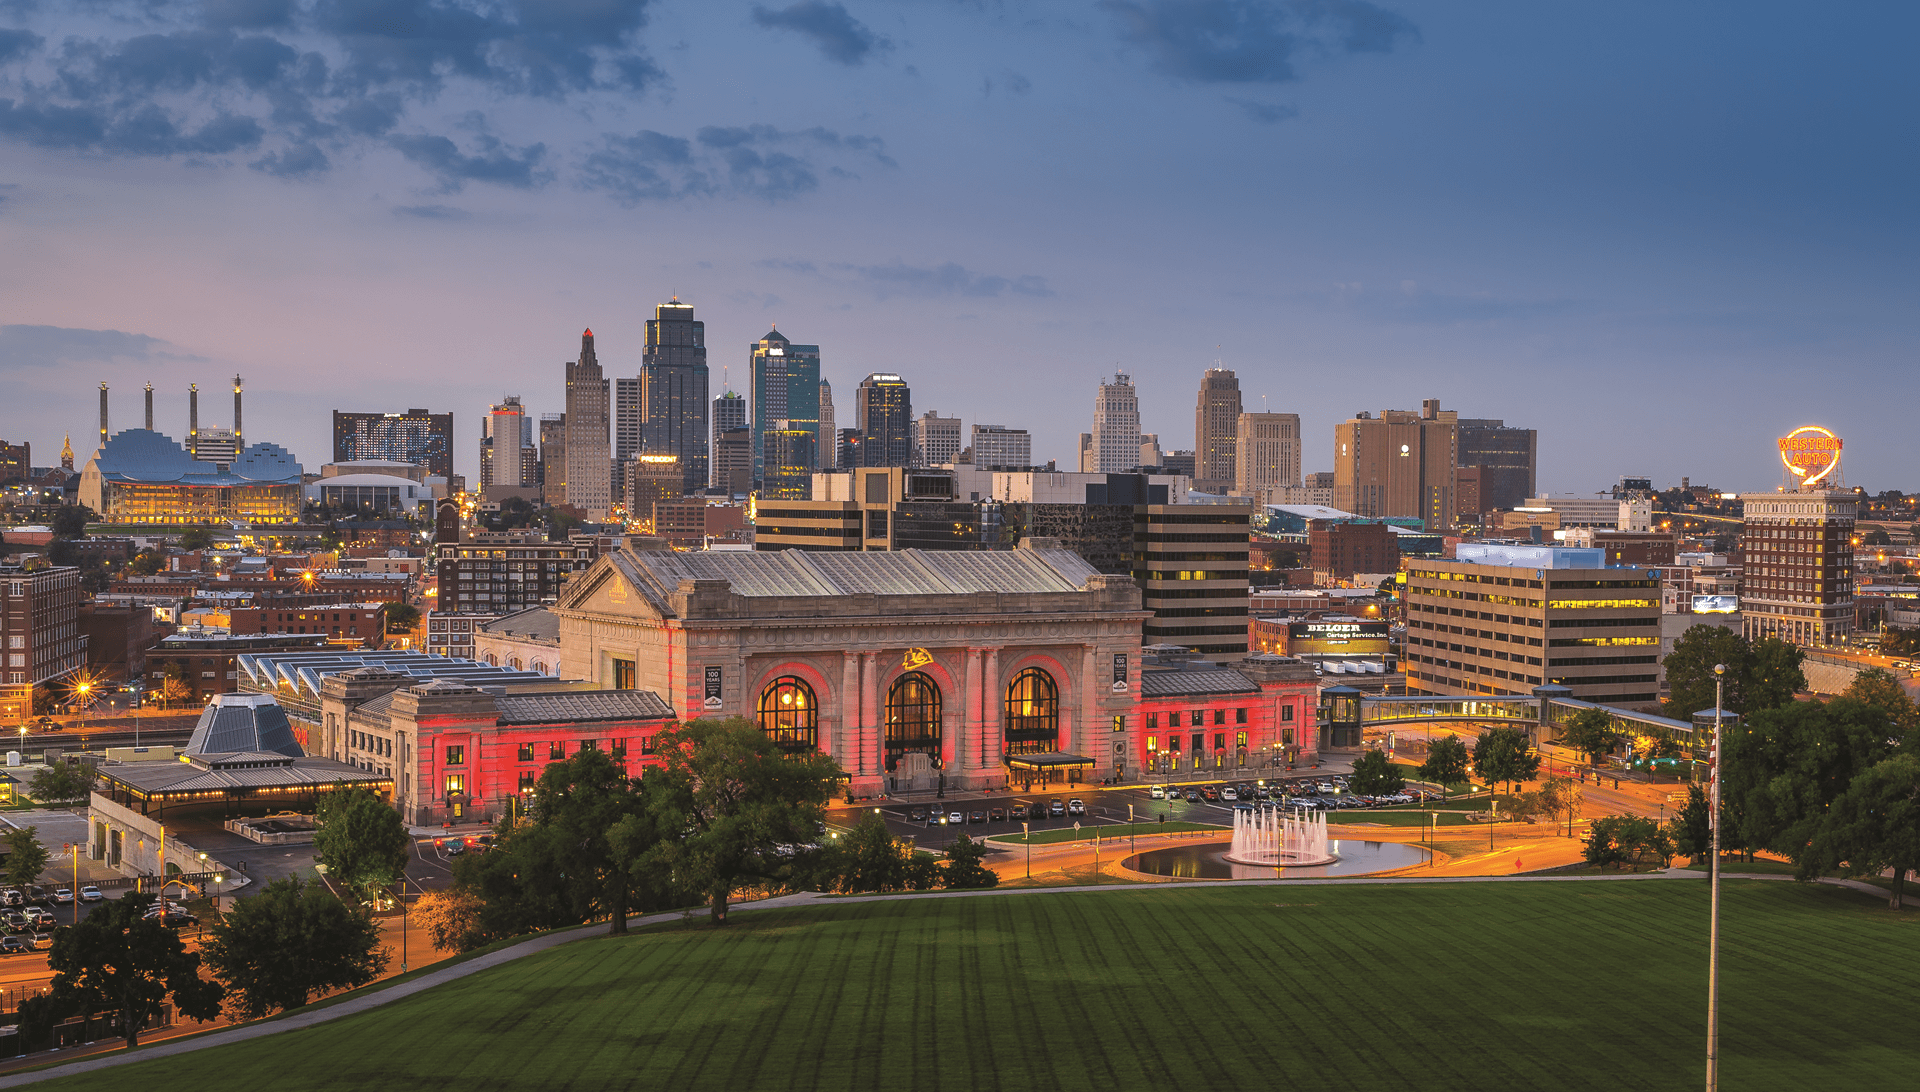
(1798, 574)
(911, 669)
(1505, 619)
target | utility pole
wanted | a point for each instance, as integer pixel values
(1713, 921)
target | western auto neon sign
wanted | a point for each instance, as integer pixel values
(1811, 453)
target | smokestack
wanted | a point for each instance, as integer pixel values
(103, 415)
(238, 445)
(193, 419)
(149, 407)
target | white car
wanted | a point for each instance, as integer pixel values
(1229, 793)
(1076, 807)
(90, 893)
(1157, 792)
(63, 895)
(954, 817)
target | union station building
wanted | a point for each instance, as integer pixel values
(911, 669)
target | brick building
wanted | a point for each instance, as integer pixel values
(1200, 719)
(1342, 549)
(118, 636)
(40, 632)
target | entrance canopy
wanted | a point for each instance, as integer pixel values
(1049, 760)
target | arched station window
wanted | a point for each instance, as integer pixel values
(913, 717)
(789, 715)
(1032, 719)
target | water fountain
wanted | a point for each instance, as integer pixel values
(1279, 837)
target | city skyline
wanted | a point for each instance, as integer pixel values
(1441, 204)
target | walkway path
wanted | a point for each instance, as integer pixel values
(362, 1003)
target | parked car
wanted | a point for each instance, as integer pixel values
(63, 896)
(38, 916)
(16, 945)
(171, 918)
(1056, 809)
(1076, 807)
(977, 817)
(996, 815)
(1229, 793)
(1193, 796)
(1157, 792)
(90, 893)
(955, 817)
(16, 921)
(13, 896)
(917, 815)
(1210, 794)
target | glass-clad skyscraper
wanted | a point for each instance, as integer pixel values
(673, 390)
(786, 396)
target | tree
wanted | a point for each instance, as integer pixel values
(1375, 775)
(64, 780)
(26, 857)
(361, 840)
(146, 563)
(1591, 732)
(70, 521)
(964, 869)
(1873, 826)
(1760, 675)
(732, 805)
(402, 617)
(1876, 537)
(1781, 769)
(1504, 754)
(871, 859)
(275, 950)
(1555, 797)
(1692, 828)
(1446, 762)
(118, 960)
(451, 918)
(1626, 840)
(1877, 687)
(197, 537)
(601, 830)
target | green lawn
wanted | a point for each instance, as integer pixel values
(1109, 832)
(1578, 985)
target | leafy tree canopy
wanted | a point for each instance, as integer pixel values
(26, 857)
(1760, 675)
(1446, 762)
(118, 960)
(1374, 774)
(277, 949)
(361, 840)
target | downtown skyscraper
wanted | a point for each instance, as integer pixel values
(883, 411)
(673, 390)
(1114, 445)
(1216, 418)
(786, 398)
(589, 459)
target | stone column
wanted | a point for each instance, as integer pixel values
(846, 723)
(868, 739)
(959, 749)
(988, 741)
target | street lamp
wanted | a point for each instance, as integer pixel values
(1713, 921)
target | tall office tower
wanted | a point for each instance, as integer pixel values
(729, 413)
(849, 454)
(1116, 427)
(733, 459)
(829, 447)
(589, 460)
(936, 439)
(1506, 458)
(1216, 419)
(789, 464)
(650, 480)
(1398, 465)
(1088, 464)
(1150, 453)
(1267, 453)
(416, 436)
(883, 411)
(1797, 584)
(628, 414)
(553, 458)
(997, 445)
(673, 379)
(506, 434)
(786, 392)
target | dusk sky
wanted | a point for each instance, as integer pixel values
(1660, 234)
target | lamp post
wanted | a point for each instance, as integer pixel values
(1026, 835)
(1713, 920)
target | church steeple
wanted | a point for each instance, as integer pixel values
(66, 453)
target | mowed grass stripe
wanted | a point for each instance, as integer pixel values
(1457, 986)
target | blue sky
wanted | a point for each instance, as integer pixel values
(1660, 234)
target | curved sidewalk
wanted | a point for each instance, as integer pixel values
(432, 979)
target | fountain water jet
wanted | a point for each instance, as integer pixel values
(1274, 836)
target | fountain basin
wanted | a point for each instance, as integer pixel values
(1211, 861)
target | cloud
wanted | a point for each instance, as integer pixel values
(432, 212)
(247, 14)
(18, 43)
(298, 161)
(497, 163)
(1267, 113)
(900, 279)
(24, 346)
(1253, 41)
(841, 37)
(740, 161)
